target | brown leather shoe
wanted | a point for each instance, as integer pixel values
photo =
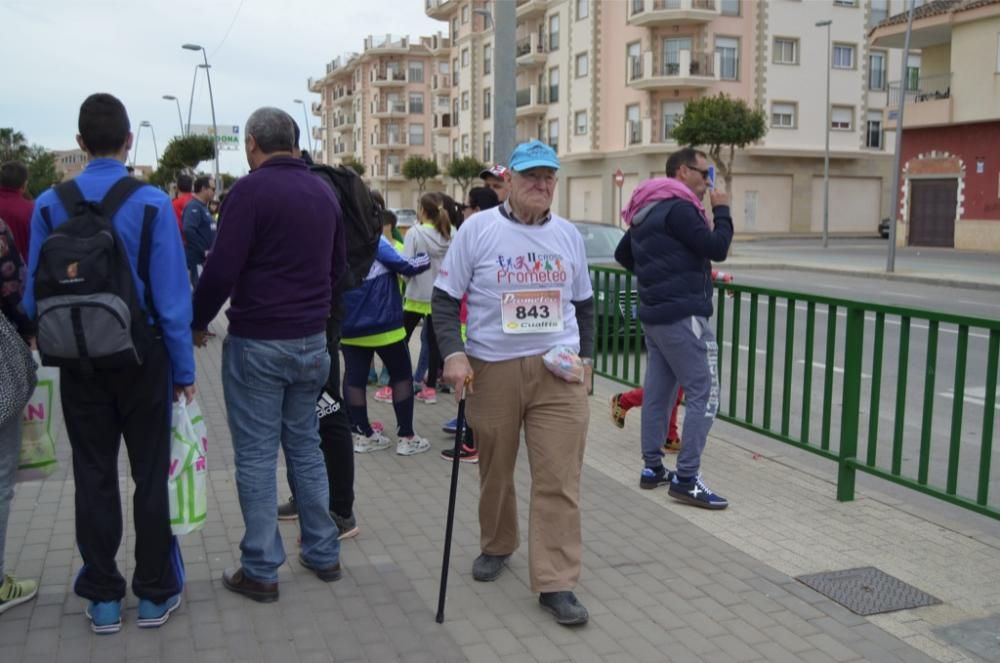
(236, 581)
(329, 574)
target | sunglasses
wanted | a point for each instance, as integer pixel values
(703, 173)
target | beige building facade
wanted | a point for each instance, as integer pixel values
(604, 82)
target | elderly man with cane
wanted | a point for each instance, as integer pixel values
(530, 298)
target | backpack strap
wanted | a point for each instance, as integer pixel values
(118, 194)
(145, 249)
(70, 196)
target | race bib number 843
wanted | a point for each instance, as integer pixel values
(531, 311)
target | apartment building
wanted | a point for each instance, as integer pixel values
(950, 169)
(604, 83)
(382, 105)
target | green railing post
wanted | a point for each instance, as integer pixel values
(849, 414)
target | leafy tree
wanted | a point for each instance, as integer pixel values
(42, 170)
(464, 170)
(353, 164)
(421, 170)
(182, 155)
(228, 180)
(717, 123)
(13, 145)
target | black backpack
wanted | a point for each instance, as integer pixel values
(362, 219)
(88, 308)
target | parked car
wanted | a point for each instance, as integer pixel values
(405, 218)
(616, 303)
(883, 228)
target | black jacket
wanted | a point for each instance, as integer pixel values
(670, 251)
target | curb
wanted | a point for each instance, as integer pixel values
(888, 276)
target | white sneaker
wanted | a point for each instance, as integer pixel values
(374, 442)
(407, 446)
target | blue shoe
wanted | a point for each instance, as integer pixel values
(451, 426)
(653, 477)
(105, 616)
(696, 493)
(153, 615)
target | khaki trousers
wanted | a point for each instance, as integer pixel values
(554, 414)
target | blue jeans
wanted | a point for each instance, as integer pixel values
(270, 389)
(10, 449)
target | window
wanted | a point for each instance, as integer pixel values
(443, 67)
(842, 118)
(913, 71)
(876, 70)
(843, 56)
(465, 58)
(672, 111)
(487, 59)
(580, 123)
(633, 61)
(454, 112)
(554, 32)
(416, 103)
(416, 134)
(465, 101)
(873, 130)
(879, 12)
(633, 126)
(416, 72)
(783, 115)
(998, 53)
(845, 3)
(553, 85)
(487, 147)
(582, 9)
(454, 148)
(582, 65)
(454, 69)
(728, 49)
(786, 51)
(672, 54)
(487, 104)
(729, 7)
(465, 14)
(465, 143)
(554, 134)
(454, 28)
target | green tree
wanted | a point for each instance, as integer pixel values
(421, 170)
(353, 164)
(13, 145)
(720, 123)
(464, 170)
(228, 180)
(182, 155)
(42, 170)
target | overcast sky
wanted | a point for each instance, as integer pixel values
(56, 52)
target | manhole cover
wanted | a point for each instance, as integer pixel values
(867, 591)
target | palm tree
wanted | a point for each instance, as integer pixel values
(13, 145)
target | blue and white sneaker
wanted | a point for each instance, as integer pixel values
(105, 616)
(153, 615)
(653, 477)
(696, 493)
(451, 426)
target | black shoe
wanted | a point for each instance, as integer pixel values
(237, 581)
(328, 574)
(568, 611)
(348, 526)
(696, 493)
(488, 568)
(466, 454)
(653, 477)
(289, 510)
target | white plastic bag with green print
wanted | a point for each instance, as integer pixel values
(187, 482)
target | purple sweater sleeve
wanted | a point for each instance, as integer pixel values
(225, 262)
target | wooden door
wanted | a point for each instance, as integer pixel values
(932, 212)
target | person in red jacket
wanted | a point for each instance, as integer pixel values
(15, 208)
(184, 195)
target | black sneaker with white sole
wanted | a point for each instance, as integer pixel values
(696, 493)
(654, 477)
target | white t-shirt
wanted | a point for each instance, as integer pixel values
(521, 280)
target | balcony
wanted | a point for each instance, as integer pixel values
(928, 102)
(441, 82)
(437, 44)
(317, 108)
(388, 140)
(661, 13)
(531, 51)
(442, 123)
(388, 78)
(342, 95)
(340, 63)
(386, 108)
(314, 84)
(386, 44)
(344, 122)
(317, 133)
(440, 9)
(528, 9)
(692, 71)
(531, 101)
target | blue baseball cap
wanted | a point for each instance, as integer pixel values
(533, 154)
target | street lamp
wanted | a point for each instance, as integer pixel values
(503, 20)
(890, 263)
(156, 150)
(211, 101)
(826, 132)
(305, 115)
(194, 79)
(180, 120)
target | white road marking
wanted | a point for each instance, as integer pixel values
(836, 369)
(974, 395)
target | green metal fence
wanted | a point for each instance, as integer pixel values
(904, 394)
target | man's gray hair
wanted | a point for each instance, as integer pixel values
(272, 128)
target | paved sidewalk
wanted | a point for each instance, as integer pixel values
(663, 582)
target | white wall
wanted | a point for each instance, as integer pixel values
(586, 199)
(855, 204)
(762, 203)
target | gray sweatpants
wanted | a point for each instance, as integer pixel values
(680, 354)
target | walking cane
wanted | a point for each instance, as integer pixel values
(456, 459)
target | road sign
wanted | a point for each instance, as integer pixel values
(228, 138)
(619, 178)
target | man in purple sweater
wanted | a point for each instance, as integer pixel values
(277, 257)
